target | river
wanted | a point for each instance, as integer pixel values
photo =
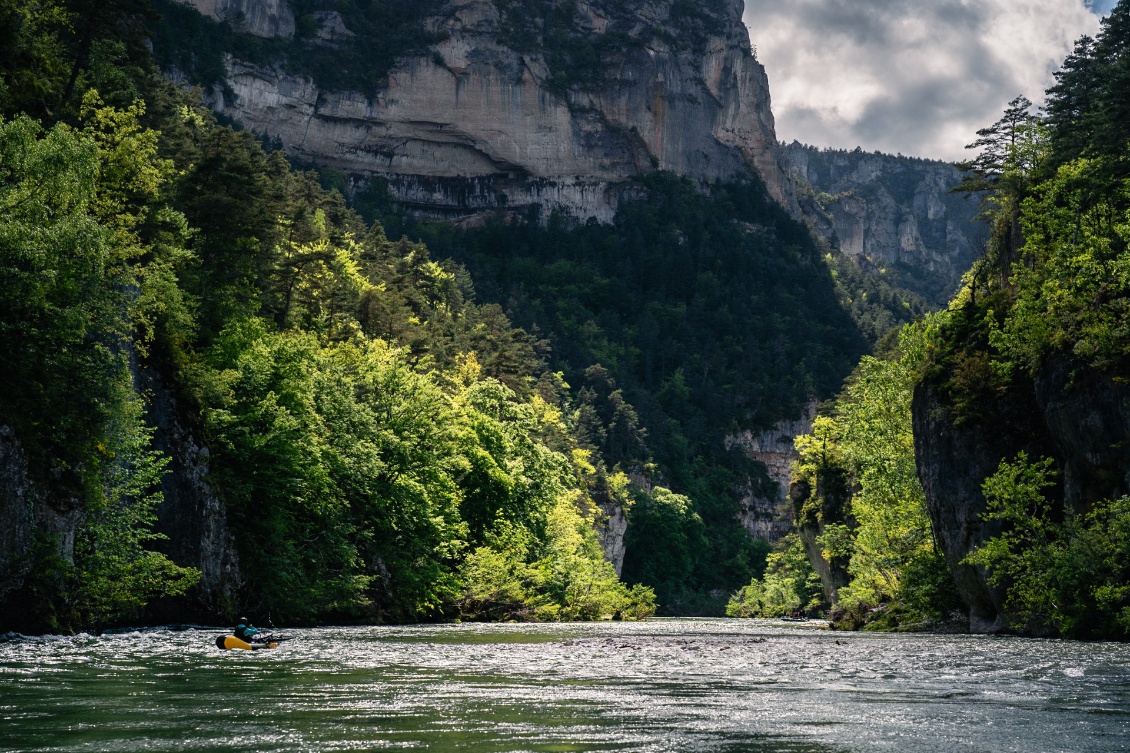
(724, 686)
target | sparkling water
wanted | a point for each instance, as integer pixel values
(663, 685)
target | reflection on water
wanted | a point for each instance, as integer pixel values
(666, 685)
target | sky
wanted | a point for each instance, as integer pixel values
(916, 77)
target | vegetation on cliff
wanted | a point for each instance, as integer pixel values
(389, 446)
(360, 46)
(1065, 571)
(1053, 294)
(582, 57)
(77, 280)
(386, 448)
(358, 59)
(1040, 327)
(690, 318)
(857, 498)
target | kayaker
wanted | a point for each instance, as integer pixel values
(245, 631)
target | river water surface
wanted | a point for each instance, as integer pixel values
(665, 685)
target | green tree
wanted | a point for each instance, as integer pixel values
(884, 532)
(660, 515)
(876, 443)
(114, 574)
(1067, 574)
(33, 66)
(363, 477)
(789, 585)
(75, 271)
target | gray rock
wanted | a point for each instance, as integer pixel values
(191, 515)
(16, 513)
(770, 517)
(480, 123)
(610, 529)
(262, 18)
(1078, 417)
(896, 214)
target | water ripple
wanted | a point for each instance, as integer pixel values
(663, 686)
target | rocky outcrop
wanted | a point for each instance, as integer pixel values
(260, 18)
(769, 516)
(191, 515)
(16, 513)
(472, 124)
(1080, 419)
(895, 214)
(954, 459)
(611, 529)
(1088, 418)
(832, 496)
(25, 511)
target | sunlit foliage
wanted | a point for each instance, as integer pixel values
(883, 532)
(789, 586)
(76, 279)
(1069, 577)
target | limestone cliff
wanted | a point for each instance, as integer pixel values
(471, 123)
(25, 511)
(260, 18)
(769, 516)
(1076, 416)
(611, 528)
(895, 214)
(191, 515)
(17, 509)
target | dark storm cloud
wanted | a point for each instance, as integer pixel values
(902, 76)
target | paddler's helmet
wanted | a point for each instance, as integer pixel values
(244, 620)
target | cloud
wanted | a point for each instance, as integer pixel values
(912, 76)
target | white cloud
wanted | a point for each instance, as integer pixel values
(917, 77)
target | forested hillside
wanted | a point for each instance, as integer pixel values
(231, 387)
(983, 464)
(700, 312)
(694, 316)
(385, 447)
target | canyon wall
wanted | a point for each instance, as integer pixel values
(260, 18)
(769, 515)
(191, 515)
(472, 124)
(1079, 418)
(17, 514)
(896, 215)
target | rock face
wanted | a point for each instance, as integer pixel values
(770, 516)
(260, 18)
(1088, 418)
(16, 511)
(471, 124)
(1080, 419)
(26, 510)
(191, 515)
(833, 494)
(897, 214)
(611, 530)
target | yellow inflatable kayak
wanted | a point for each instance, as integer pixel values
(227, 642)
